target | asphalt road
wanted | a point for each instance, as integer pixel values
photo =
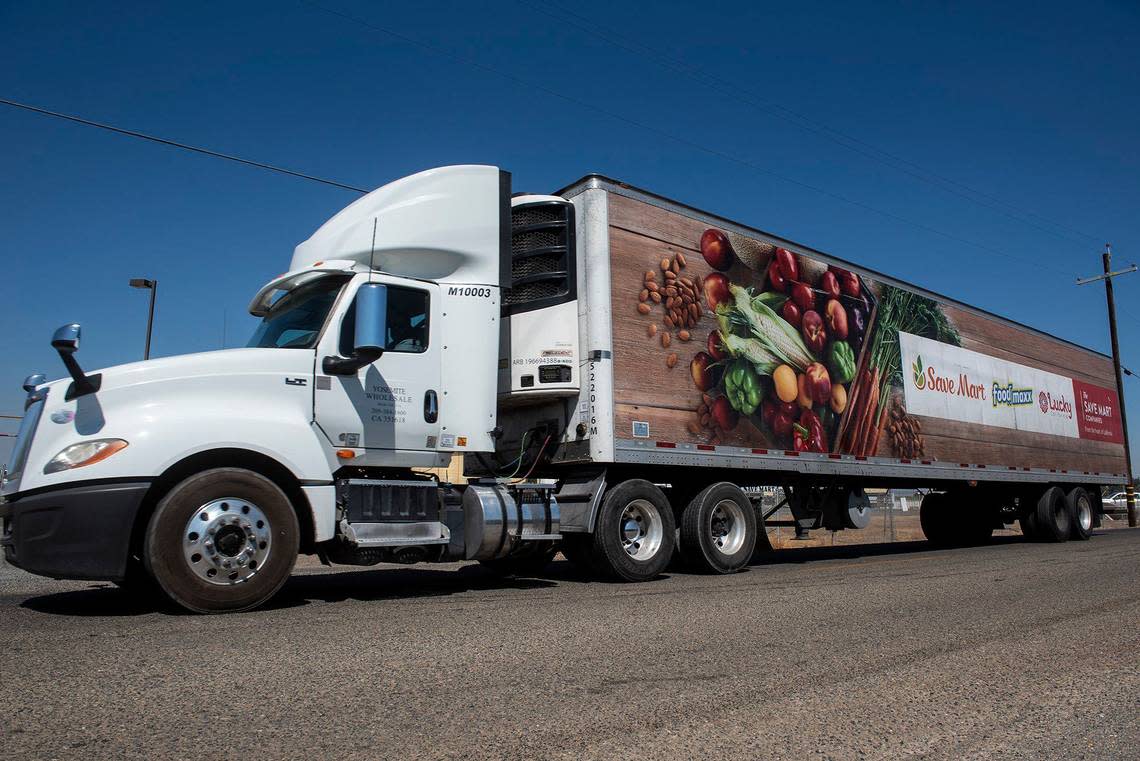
(1013, 650)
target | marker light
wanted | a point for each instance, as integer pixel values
(84, 453)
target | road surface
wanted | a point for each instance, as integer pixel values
(1012, 650)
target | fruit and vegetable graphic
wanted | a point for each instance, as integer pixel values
(784, 353)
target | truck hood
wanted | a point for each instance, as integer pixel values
(203, 364)
(182, 395)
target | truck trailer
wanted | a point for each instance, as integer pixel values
(618, 371)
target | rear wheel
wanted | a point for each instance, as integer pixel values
(718, 529)
(1080, 506)
(635, 532)
(1052, 518)
(223, 540)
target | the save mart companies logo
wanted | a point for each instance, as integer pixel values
(926, 377)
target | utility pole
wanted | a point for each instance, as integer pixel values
(1106, 257)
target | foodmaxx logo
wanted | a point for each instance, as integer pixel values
(1009, 396)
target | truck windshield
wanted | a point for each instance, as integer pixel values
(296, 318)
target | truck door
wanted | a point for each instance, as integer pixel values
(391, 404)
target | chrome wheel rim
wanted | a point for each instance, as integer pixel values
(726, 527)
(1084, 514)
(227, 541)
(641, 529)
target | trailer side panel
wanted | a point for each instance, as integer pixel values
(936, 389)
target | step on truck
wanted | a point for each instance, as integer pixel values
(618, 371)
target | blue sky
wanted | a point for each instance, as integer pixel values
(1033, 104)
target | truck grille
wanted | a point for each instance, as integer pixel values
(23, 443)
(542, 256)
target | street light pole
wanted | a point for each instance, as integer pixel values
(152, 286)
(1106, 258)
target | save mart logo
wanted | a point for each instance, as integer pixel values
(926, 378)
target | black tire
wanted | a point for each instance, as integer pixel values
(165, 553)
(720, 517)
(1081, 512)
(617, 522)
(1028, 523)
(1052, 518)
(936, 521)
(976, 522)
(1027, 509)
(531, 560)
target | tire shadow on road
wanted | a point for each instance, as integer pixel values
(106, 600)
(853, 551)
(98, 600)
(396, 583)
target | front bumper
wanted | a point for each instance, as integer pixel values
(77, 532)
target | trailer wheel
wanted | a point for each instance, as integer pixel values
(1027, 518)
(1052, 518)
(975, 524)
(222, 540)
(532, 559)
(1080, 506)
(936, 521)
(718, 529)
(635, 533)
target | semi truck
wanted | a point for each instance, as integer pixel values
(617, 370)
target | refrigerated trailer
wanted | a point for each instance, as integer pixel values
(617, 369)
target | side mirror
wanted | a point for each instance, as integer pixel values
(32, 382)
(371, 319)
(369, 339)
(65, 340)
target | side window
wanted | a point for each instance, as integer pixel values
(408, 310)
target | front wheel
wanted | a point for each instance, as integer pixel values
(635, 532)
(223, 540)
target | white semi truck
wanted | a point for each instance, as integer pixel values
(614, 366)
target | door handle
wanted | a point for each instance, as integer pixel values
(431, 406)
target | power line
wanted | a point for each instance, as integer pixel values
(836, 136)
(676, 138)
(174, 144)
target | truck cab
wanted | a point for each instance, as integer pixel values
(377, 356)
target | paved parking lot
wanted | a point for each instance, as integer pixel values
(1013, 650)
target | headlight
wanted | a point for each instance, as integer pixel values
(84, 453)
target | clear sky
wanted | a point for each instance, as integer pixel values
(1035, 104)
